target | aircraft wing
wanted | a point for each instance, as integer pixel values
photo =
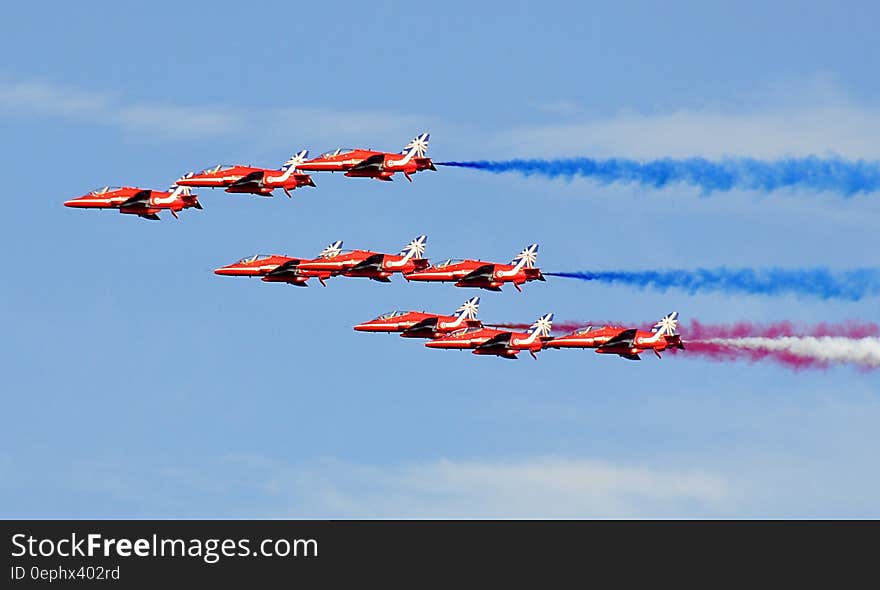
(255, 177)
(632, 357)
(288, 268)
(374, 162)
(139, 198)
(427, 325)
(499, 343)
(625, 338)
(481, 273)
(424, 324)
(373, 262)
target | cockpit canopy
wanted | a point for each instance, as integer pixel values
(336, 152)
(334, 253)
(590, 329)
(391, 314)
(448, 262)
(254, 258)
(470, 330)
(104, 190)
(217, 168)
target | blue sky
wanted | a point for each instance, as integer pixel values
(138, 384)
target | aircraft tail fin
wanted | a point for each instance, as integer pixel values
(179, 191)
(332, 250)
(542, 327)
(468, 310)
(668, 325)
(415, 249)
(526, 258)
(296, 159)
(418, 147)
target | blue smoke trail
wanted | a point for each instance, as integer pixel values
(816, 282)
(823, 174)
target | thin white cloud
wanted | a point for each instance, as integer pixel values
(544, 487)
(824, 130)
(814, 117)
(177, 121)
(537, 487)
(106, 107)
(170, 120)
(558, 107)
(45, 99)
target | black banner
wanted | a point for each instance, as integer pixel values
(126, 554)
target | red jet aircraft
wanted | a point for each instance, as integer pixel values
(500, 343)
(274, 268)
(372, 164)
(250, 180)
(626, 343)
(485, 275)
(372, 265)
(418, 324)
(144, 203)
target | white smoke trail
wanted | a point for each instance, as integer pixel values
(826, 349)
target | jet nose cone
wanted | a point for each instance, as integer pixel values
(223, 270)
(72, 202)
(435, 344)
(362, 327)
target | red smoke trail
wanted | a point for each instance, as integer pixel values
(723, 352)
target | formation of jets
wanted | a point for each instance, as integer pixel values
(463, 331)
(333, 261)
(236, 178)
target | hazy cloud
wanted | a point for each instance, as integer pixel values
(558, 107)
(814, 117)
(825, 130)
(178, 121)
(543, 487)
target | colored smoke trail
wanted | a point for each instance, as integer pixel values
(745, 329)
(797, 352)
(816, 282)
(847, 177)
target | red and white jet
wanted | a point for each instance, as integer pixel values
(248, 179)
(484, 275)
(131, 200)
(275, 268)
(364, 163)
(502, 343)
(369, 264)
(419, 324)
(624, 342)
